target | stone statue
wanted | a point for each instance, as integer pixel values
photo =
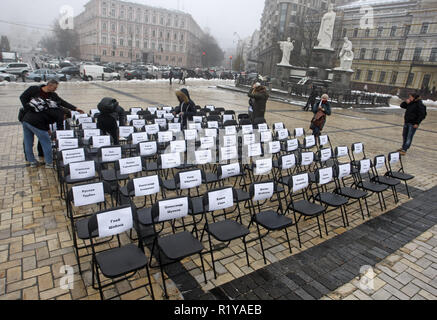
(286, 47)
(326, 31)
(346, 55)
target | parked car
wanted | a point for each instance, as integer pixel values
(139, 74)
(94, 72)
(72, 71)
(53, 64)
(4, 76)
(16, 68)
(65, 64)
(47, 74)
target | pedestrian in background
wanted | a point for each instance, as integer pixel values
(312, 98)
(171, 75)
(321, 110)
(110, 113)
(259, 97)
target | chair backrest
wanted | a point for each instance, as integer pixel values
(81, 170)
(178, 146)
(229, 170)
(129, 165)
(203, 157)
(144, 186)
(306, 159)
(64, 134)
(341, 152)
(358, 151)
(245, 121)
(169, 161)
(379, 163)
(287, 162)
(228, 153)
(110, 154)
(364, 166)
(138, 137)
(73, 155)
(309, 141)
(299, 182)
(342, 171)
(324, 155)
(324, 176)
(394, 159)
(152, 129)
(147, 149)
(263, 166)
(112, 222)
(262, 191)
(190, 134)
(219, 199)
(299, 132)
(273, 147)
(100, 141)
(324, 140)
(165, 136)
(189, 179)
(65, 144)
(171, 209)
(278, 126)
(88, 194)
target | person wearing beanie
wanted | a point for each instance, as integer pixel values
(110, 113)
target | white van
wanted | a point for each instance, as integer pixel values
(93, 72)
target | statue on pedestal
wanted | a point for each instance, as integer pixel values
(326, 31)
(286, 47)
(346, 56)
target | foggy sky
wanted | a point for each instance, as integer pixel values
(221, 17)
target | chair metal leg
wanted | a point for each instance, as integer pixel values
(247, 254)
(150, 282)
(297, 229)
(324, 221)
(261, 243)
(203, 267)
(408, 190)
(320, 229)
(361, 209)
(162, 274)
(288, 240)
(212, 255)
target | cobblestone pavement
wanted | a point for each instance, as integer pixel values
(399, 243)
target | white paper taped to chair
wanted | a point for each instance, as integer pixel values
(160, 113)
(152, 110)
(195, 126)
(207, 142)
(247, 129)
(228, 117)
(229, 141)
(82, 170)
(88, 133)
(278, 126)
(65, 144)
(126, 131)
(152, 128)
(64, 134)
(230, 130)
(307, 158)
(344, 170)
(342, 151)
(230, 170)
(90, 125)
(167, 109)
(165, 136)
(203, 157)
(364, 166)
(148, 148)
(134, 111)
(228, 153)
(282, 134)
(190, 179)
(190, 134)
(161, 122)
(323, 140)
(173, 209)
(174, 127)
(288, 161)
(211, 132)
(168, 116)
(85, 120)
(266, 136)
(170, 160)
(221, 199)
(88, 194)
(130, 165)
(197, 119)
(249, 139)
(299, 132)
(131, 117)
(274, 147)
(263, 166)
(146, 186)
(114, 222)
(325, 154)
(213, 125)
(300, 182)
(139, 124)
(325, 175)
(358, 148)
(394, 157)
(310, 141)
(263, 191)
(101, 141)
(111, 154)
(380, 162)
(262, 127)
(178, 146)
(73, 155)
(139, 137)
(254, 150)
(292, 145)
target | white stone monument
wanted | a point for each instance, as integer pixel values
(326, 31)
(287, 47)
(346, 56)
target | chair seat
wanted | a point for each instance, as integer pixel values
(125, 193)
(145, 216)
(227, 230)
(242, 195)
(307, 208)
(374, 187)
(151, 166)
(332, 199)
(82, 229)
(197, 204)
(120, 261)
(210, 177)
(179, 246)
(68, 180)
(169, 184)
(388, 181)
(312, 176)
(111, 175)
(352, 193)
(271, 220)
(400, 176)
(284, 180)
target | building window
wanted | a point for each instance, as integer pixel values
(174, 48)
(407, 30)
(382, 76)
(154, 19)
(168, 36)
(104, 40)
(121, 53)
(181, 48)
(433, 56)
(104, 12)
(358, 74)
(146, 44)
(113, 53)
(104, 26)
(121, 42)
(160, 34)
(363, 53)
(387, 54)
(355, 32)
(425, 27)
(122, 29)
(417, 54)
(182, 37)
(129, 43)
(175, 36)
(113, 28)
(367, 33)
(137, 30)
(122, 14)
(369, 75)
(153, 33)
(344, 32)
(146, 17)
(282, 19)
(394, 77)
(375, 53)
(137, 43)
(380, 29)
(130, 16)
(410, 79)
(104, 52)
(161, 21)
(393, 31)
(113, 12)
(129, 28)
(400, 54)
(166, 58)
(113, 41)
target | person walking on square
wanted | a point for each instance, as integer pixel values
(311, 99)
(414, 115)
(259, 97)
(171, 75)
(321, 110)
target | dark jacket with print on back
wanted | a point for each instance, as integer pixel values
(416, 112)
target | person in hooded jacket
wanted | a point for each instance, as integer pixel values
(110, 113)
(259, 96)
(414, 115)
(187, 108)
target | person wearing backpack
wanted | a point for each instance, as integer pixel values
(321, 110)
(110, 113)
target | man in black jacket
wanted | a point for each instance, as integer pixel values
(110, 113)
(415, 114)
(41, 108)
(187, 108)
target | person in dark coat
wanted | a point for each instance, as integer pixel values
(321, 110)
(414, 115)
(110, 113)
(187, 108)
(311, 99)
(259, 97)
(170, 76)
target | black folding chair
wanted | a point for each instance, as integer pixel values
(394, 159)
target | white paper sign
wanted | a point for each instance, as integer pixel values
(266, 136)
(114, 222)
(90, 125)
(168, 116)
(325, 154)
(213, 124)
(85, 120)
(139, 124)
(167, 109)
(344, 170)
(190, 135)
(165, 136)
(160, 113)
(310, 141)
(126, 131)
(90, 133)
(282, 134)
(191, 179)
(161, 122)
(148, 148)
(139, 137)
(342, 151)
(152, 128)
(146, 186)
(77, 116)
(254, 150)
(88, 194)
(82, 170)
(228, 153)
(64, 134)
(173, 209)
(211, 108)
(307, 158)
(298, 132)
(221, 199)
(197, 119)
(228, 117)
(247, 129)
(207, 142)
(323, 140)
(358, 148)
(263, 166)
(64, 144)
(229, 141)
(174, 127)
(134, 111)
(111, 154)
(211, 133)
(195, 126)
(203, 157)
(152, 110)
(170, 160)
(129, 118)
(300, 182)
(292, 145)
(394, 157)
(274, 147)
(73, 155)
(263, 191)
(288, 161)
(278, 126)
(379, 162)
(101, 141)
(249, 139)
(262, 127)
(178, 146)
(130, 165)
(364, 166)
(325, 176)
(93, 112)
(230, 130)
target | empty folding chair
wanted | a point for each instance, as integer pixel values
(379, 163)
(167, 164)
(395, 160)
(148, 151)
(122, 261)
(324, 141)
